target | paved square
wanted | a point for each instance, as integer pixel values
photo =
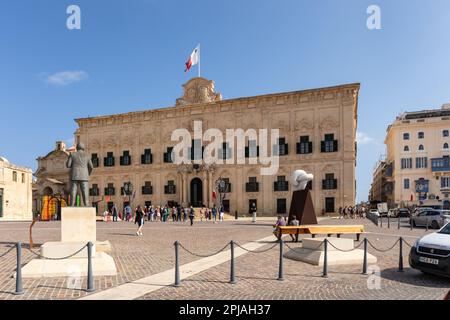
(153, 253)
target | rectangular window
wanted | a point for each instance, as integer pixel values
(281, 184)
(252, 150)
(196, 150)
(125, 159)
(304, 146)
(23, 177)
(109, 160)
(406, 184)
(170, 187)
(281, 148)
(421, 162)
(225, 152)
(226, 187)
(252, 185)
(329, 183)
(168, 155)
(445, 182)
(406, 163)
(147, 188)
(14, 176)
(147, 157)
(281, 206)
(110, 190)
(329, 144)
(94, 191)
(95, 160)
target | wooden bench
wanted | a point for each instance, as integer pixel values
(313, 230)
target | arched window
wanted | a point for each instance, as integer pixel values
(421, 135)
(445, 146)
(445, 133)
(406, 148)
(421, 148)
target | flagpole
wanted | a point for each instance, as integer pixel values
(199, 59)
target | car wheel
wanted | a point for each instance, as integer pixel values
(434, 224)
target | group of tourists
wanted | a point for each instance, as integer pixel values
(164, 213)
(352, 212)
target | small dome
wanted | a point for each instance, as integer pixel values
(2, 159)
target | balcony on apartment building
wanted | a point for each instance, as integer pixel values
(440, 164)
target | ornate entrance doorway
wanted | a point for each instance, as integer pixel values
(196, 192)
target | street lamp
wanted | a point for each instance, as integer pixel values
(128, 189)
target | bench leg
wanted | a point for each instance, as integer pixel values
(357, 236)
(313, 235)
(338, 235)
(329, 235)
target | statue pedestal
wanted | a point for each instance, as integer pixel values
(78, 227)
(313, 253)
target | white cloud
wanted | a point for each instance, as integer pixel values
(363, 139)
(64, 78)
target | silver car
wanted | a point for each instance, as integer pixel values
(432, 218)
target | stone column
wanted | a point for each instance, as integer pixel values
(210, 188)
(186, 189)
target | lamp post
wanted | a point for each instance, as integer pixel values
(128, 189)
(222, 188)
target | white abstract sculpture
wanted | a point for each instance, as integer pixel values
(300, 179)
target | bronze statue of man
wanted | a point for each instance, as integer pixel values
(80, 165)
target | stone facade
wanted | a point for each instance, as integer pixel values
(316, 115)
(15, 192)
(418, 157)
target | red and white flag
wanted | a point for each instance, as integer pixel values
(193, 59)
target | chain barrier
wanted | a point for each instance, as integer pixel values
(46, 258)
(383, 250)
(342, 250)
(203, 255)
(8, 251)
(258, 251)
(407, 243)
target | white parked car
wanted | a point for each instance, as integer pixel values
(431, 253)
(374, 212)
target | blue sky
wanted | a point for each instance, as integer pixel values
(129, 55)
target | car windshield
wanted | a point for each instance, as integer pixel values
(446, 229)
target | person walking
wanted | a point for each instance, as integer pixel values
(139, 220)
(192, 215)
(178, 213)
(221, 213)
(114, 213)
(214, 213)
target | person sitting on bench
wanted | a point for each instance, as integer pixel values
(280, 223)
(294, 222)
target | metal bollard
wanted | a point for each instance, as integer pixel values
(428, 221)
(365, 257)
(381, 219)
(177, 264)
(281, 266)
(389, 222)
(400, 258)
(19, 287)
(232, 276)
(411, 223)
(90, 276)
(325, 258)
(398, 222)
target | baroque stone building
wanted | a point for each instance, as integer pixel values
(317, 131)
(15, 192)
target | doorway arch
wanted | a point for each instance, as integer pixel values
(196, 192)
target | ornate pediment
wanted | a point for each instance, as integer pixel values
(94, 144)
(304, 125)
(110, 142)
(198, 90)
(328, 123)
